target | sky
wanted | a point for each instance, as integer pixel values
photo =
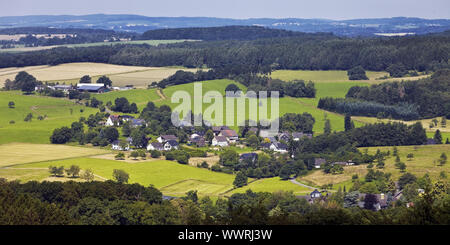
(238, 9)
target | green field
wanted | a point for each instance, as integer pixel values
(60, 112)
(286, 104)
(272, 185)
(171, 178)
(161, 174)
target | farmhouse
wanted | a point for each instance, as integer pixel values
(276, 146)
(219, 141)
(165, 138)
(92, 88)
(155, 146)
(315, 194)
(231, 135)
(217, 129)
(279, 147)
(170, 145)
(121, 145)
(113, 120)
(199, 141)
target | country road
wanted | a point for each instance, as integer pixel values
(293, 181)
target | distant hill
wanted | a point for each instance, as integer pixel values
(141, 24)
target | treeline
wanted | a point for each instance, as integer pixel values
(110, 203)
(219, 33)
(368, 108)
(429, 97)
(297, 88)
(309, 52)
(378, 134)
(73, 36)
(256, 83)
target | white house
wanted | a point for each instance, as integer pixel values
(165, 138)
(155, 146)
(171, 145)
(219, 141)
(279, 147)
(113, 120)
(231, 135)
(116, 145)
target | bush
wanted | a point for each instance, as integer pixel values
(28, 117)
(155, 154)
(119, 156)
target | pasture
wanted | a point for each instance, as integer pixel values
(271, 185)
(160, 173)
(58, 112)
(424, 161)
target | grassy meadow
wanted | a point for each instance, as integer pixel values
(175, 177)
(272, 185)
(59, 112)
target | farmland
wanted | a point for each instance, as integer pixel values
(35, 158)
(41, 152)
(70, 73)
(181, 179)
(424, 161)
(335, 76)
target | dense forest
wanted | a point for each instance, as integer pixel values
(407, 100)
(309, 51)
(219, 33)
